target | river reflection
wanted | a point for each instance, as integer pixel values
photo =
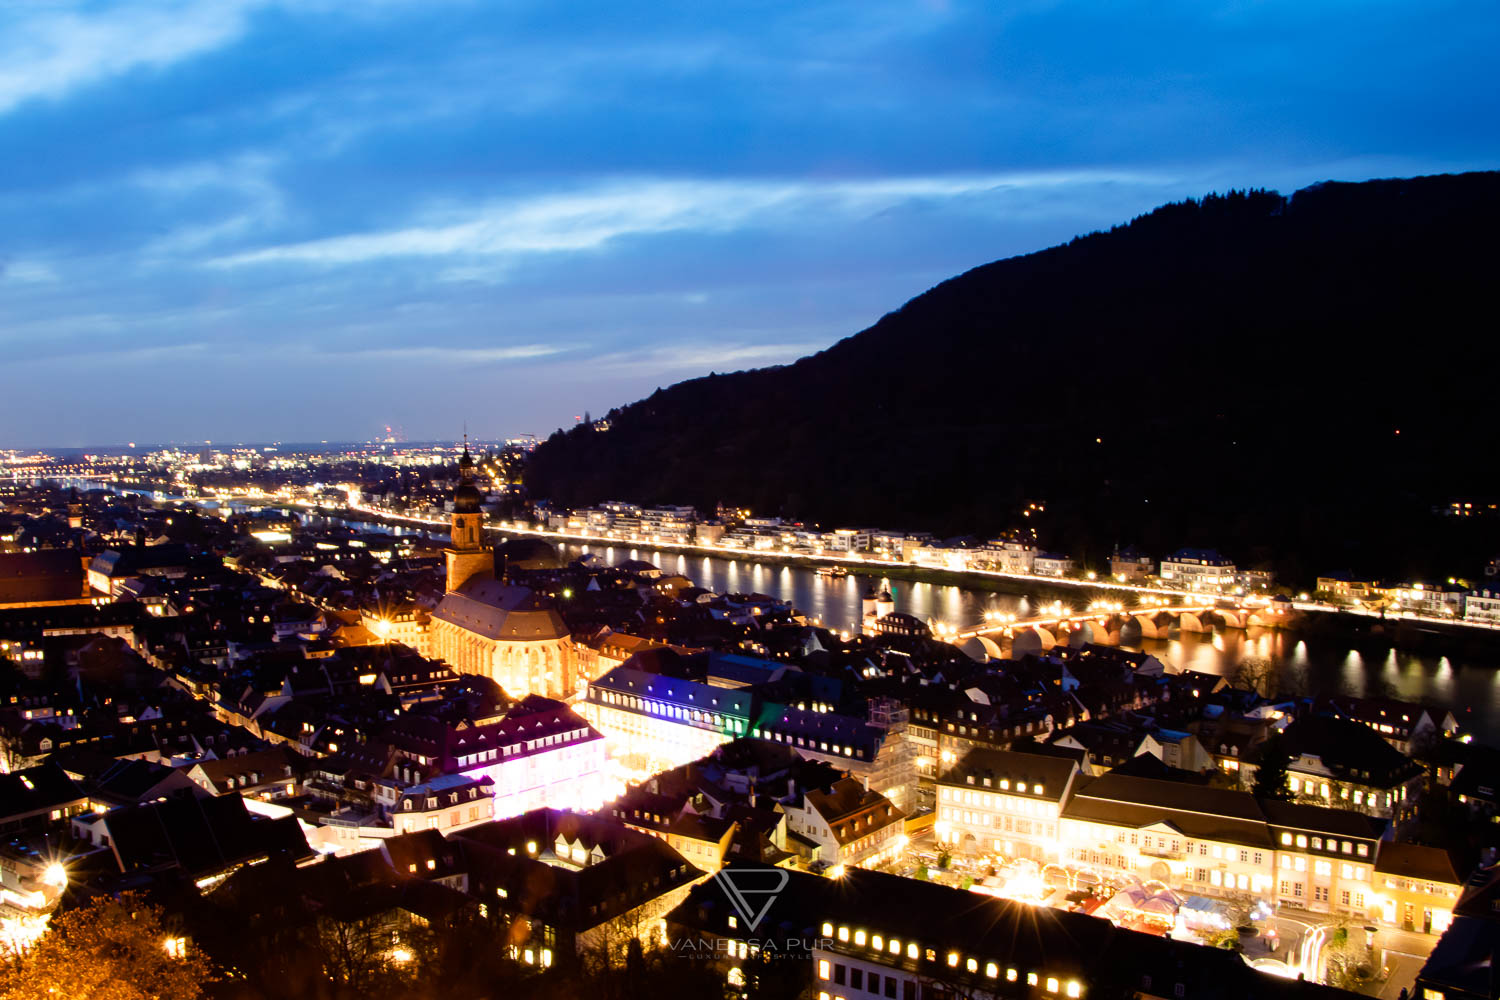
(1471, 688)
(1472, 692)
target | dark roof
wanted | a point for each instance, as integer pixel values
(199, 836)
(846, 806)
(674, 691)
(1148, 765)
(1196, 811)
(135, 559)
(1351, 750)
(1416, 861)
(1466, 958)
(35, 789)
(46, 575)
(634, 868)
(1322, 819)
(1013, 766)
(907, 910)
(940, 920)
(129, 780)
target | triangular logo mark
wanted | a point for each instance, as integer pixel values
(747, 887)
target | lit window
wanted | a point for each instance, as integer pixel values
(1074, 988)
(1031, 979)
(953, 959)
(1051, 984)
(823, 971)
(859, 937)
(991, 969)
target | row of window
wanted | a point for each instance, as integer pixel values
(468, 760)
(1025, 807)
(1302, 841)
(699, 716)
(893, 947)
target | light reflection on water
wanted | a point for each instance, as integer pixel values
(1471, 691)
(1471, 688)
(1326, 665)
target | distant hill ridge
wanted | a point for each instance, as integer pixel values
(1231, 371)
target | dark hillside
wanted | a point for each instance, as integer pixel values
(1229, 372)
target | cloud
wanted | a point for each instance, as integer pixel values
(699, 359)
(47, 53)
(28, 272)
(449, 355)
(590, 218)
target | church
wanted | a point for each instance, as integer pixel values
(488, 627)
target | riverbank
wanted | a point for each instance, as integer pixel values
(1370, 634)
(1077, 594)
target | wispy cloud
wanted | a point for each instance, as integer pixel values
(451, 355)
(699, 359)
(46, 52)
(28, 272)
(588, 219)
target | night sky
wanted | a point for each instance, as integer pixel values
(256, 221)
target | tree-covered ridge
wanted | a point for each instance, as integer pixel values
(1231, 371)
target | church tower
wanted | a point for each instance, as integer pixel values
(467, 556)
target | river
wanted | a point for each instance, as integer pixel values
(1469, 686)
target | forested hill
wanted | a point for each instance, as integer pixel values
(1297, 379)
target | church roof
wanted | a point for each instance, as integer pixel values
(496, 610)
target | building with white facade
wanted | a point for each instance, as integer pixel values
(852, 825)
(1004, 803)
(1201, 571)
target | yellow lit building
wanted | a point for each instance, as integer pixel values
(1415, 888)
(1218, 842)
(484, 626)
(1004, 803)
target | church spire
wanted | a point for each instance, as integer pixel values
(468, 556)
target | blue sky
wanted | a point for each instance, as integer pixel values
(304, 220)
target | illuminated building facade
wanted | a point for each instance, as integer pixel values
(1004, 802)
(1219, 842)
(873, 749)
(444, 804)
(1416, 887)
(506, 634)
(655, 723)
(1197, 570)
(483, 626)
(854, 825)
(538, 753)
